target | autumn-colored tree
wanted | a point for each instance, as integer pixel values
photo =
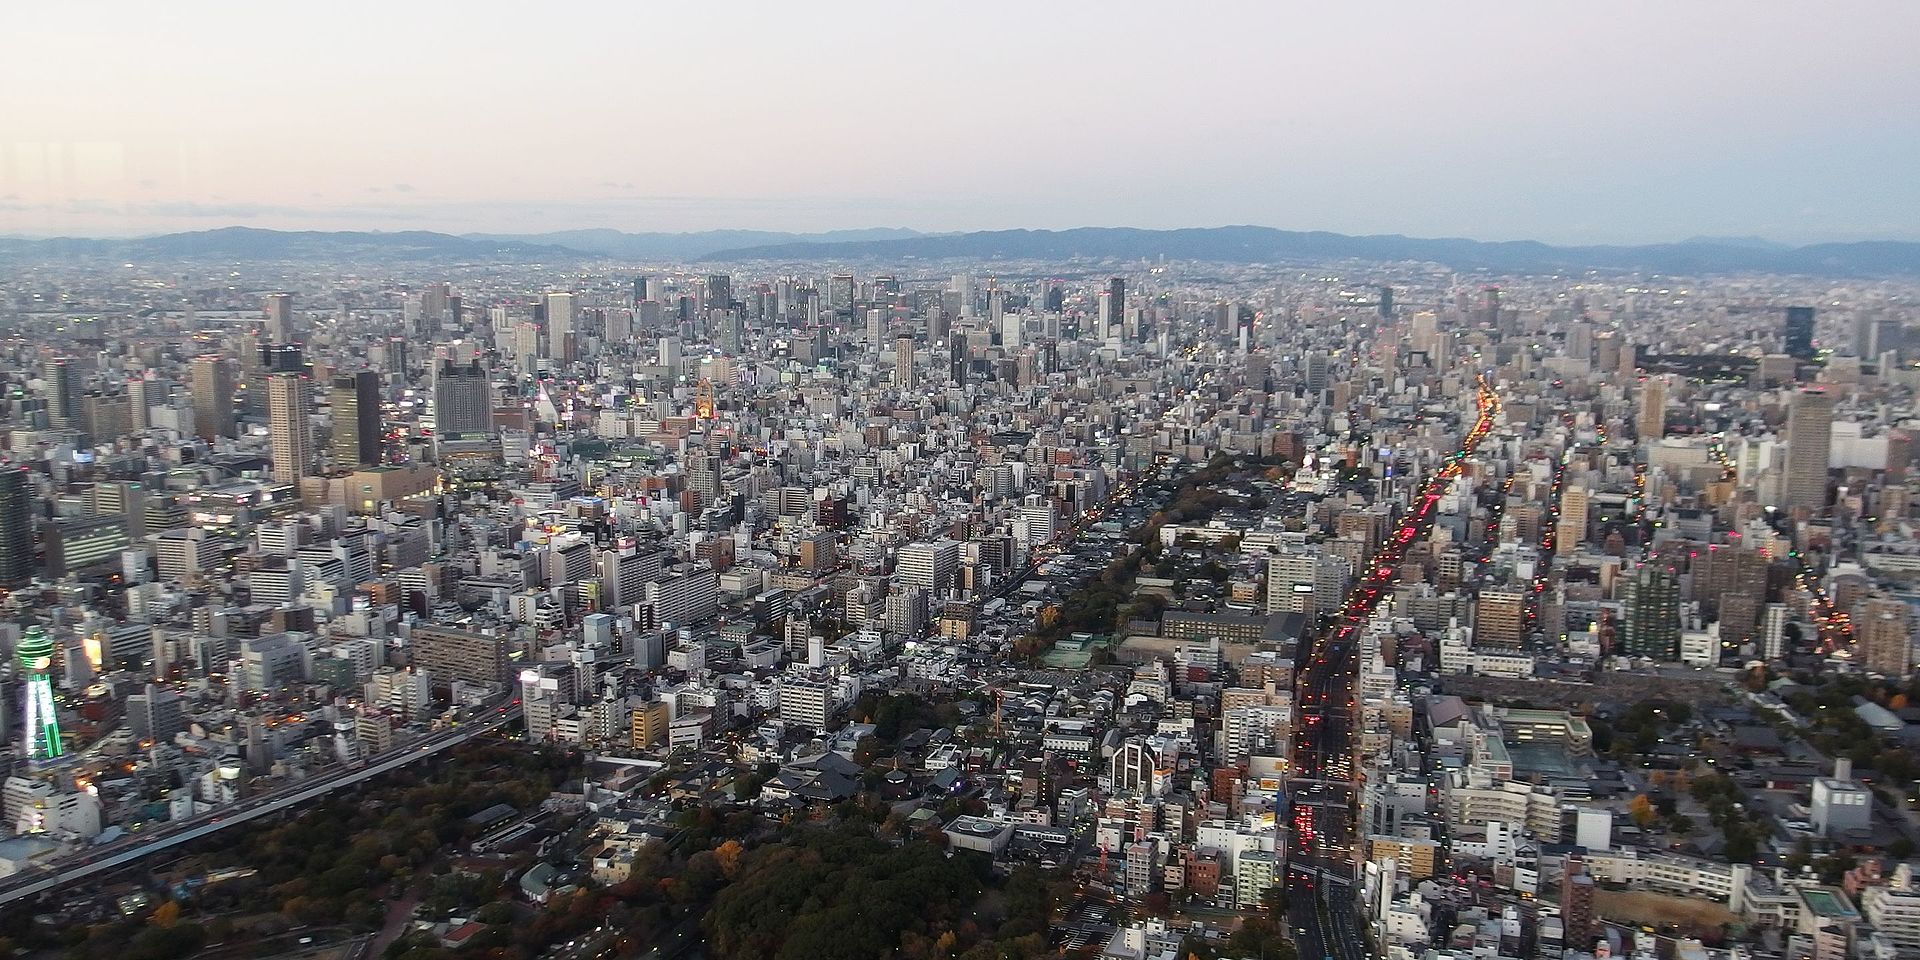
(728, 854)
(167, 915)
(946, 943)
(1641, 810)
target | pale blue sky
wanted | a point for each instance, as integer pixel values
(1589, 122)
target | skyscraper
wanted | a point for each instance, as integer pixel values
(903, 362)
(719, 291)
(282, 358)
(42, 728)
(16, 526)
(1570, 532)
(356, 419)
(1652, 629)
(288, 428)
(141, 392)
(840, 293)
(1316, 372)
(63, 394)
(462, 398)
(1651, 421)
(703, 478)
(957, 357)
(1809, 445)
(1798, 333)
(278, 310)
(213, 397)
(1117, 299)
(560, 315)
(1500, 618)
(1885, 628)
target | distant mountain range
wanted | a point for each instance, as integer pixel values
(248, 243)
(1245, 244)
(1240, 244)
(688, 246)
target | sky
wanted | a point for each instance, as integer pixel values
(1621, 122)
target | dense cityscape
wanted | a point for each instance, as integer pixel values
(1143, 608)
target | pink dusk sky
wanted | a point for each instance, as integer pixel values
(1592, 122)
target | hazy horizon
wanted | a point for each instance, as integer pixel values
(1653, 123)
(1730, 240)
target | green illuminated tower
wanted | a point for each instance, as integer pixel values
(43, 729)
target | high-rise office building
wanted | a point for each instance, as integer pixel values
(1884, 626)
(840, 293)
(1117, 299)
(213, 397)
(16, 526)
(355, 400)
(250, 360)
(278, 311)
(1570, 532)
(142, 390)
(1500, 618)
(63, 393)
(903, 362)
(462, 398)
(1651, 420)
(288, 429)
(1809, 446)
(282, 358)
(1798, 333)
(1651, 596)
(560, 318)
(957, 357)
(447, 655)
(928, 564)
(279, 317)
(703, 478)
(719, 291)
(1316, 372)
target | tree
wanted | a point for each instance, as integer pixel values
(1681, 824)
(1801, 856)
(166, 915)
(1261, 937)
(1641, 810)
(728, 855)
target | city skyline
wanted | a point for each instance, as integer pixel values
(864, 481)
(1515, 123)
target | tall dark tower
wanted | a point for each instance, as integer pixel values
(1117, 298)
(355, 400)
(1386, 303)
(1799, 333)
(63, 393)
(1056, 298)
(957, 358)
(719, 291)
(282, 358)
(16, 526)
